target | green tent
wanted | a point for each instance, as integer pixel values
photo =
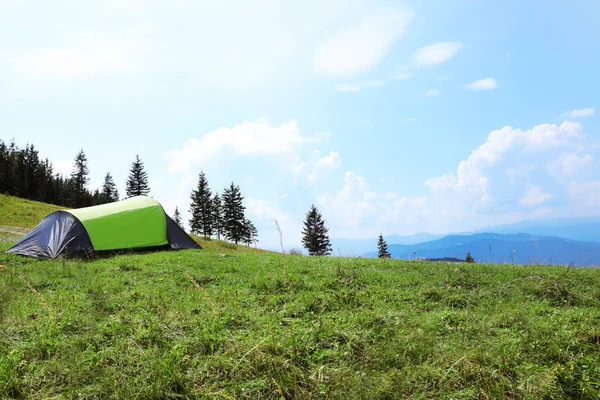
(135, 223)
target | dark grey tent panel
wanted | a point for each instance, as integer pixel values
(177, 237)
(59, 231)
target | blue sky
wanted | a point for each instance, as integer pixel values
(392, 117)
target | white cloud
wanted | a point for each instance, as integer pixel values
(436, 53)
(585, 194)
(356, 87)
(259, 44)
(534, 197)
(512, 176)
(584, 112)
(487, 177)
(432, 93)
(569, 163)
(260, 211)
(362, 46)
(483, 84)
(350, 207)
(316, 166)
(86, 55)
(246, 139)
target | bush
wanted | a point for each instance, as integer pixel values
(296, 252)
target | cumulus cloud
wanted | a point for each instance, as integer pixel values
(436, 53)
(362, 46)
(246, 139)
(584, 112)
(569, 163)
(352, 205)
(316, 166)
(260, 211)
(514, 175)
(534, 197)
(483, 84)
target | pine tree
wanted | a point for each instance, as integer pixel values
(469, 258)
(201, 208)
(382, 247)
(250, 233)
(96, 198)
(233, 214)
(177, 217)
(315, 236)
(109, 193)
(217, 216)
(137, 182)
(79, 179)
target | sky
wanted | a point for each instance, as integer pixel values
(392, 117)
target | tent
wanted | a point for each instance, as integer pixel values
(136, 223)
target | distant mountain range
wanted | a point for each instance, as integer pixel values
(557, 241)
(584, 229)
(517, 248)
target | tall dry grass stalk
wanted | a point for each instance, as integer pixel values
(282, 251)
(41, 299)
(212, 305)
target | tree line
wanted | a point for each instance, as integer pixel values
(23, 173)
(219, 215)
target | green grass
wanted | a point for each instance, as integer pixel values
(17, 212)
(256, 325)
(135, 326)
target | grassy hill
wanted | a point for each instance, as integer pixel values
(21, 213)
(231, 325)
(24, 214)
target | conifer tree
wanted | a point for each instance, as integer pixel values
(79, 179)
(250, 233)
(315, 236)
(382, 247)
(137, 181)
(177, 217)
(233, 214)
(109, 193)
(217, 216)
(469, 258)
(96, 198)
(201, 221)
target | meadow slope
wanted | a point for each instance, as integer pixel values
(18, 215)
(209, 324)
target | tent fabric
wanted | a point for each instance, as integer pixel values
(59, 231)
(177, 237)
(132, 223)
(136, 223)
